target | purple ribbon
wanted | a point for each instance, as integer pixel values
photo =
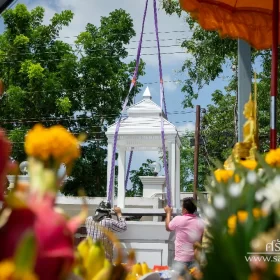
(128, 168)
(162, 104)
(110, 186)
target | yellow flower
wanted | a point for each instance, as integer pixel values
(8, 272)
(192, 270)
(232, 223)
(257, 213)
(223, 175)
(273, 157)
(242, 216)
(54, 143)
(196, 273)
(236, 178)
(232, 220)
(249, 164)
(7, 269)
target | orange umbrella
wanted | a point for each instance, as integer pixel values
(256, 21)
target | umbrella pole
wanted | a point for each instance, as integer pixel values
(274, 75)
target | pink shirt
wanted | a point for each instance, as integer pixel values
(188, 229)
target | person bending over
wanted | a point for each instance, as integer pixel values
(104, 219)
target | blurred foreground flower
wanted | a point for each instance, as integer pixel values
(245, 220)
(21, 265)
(32, 208)
(249, 164)
(54, 144)
(223, 175)
(273, 158)
(5, 149)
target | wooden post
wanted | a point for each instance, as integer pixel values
(196, 151)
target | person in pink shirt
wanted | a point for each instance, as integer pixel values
(188, 229)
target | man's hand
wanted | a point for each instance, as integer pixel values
(168, 210)
(118, 211)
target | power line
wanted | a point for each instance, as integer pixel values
(75, 51)
(96, 115)
(46, 118)
(155, 124)
(88, 88)
(90, 140)
(114, 33)
(133, 41)
(104, 56)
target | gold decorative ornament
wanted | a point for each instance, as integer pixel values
(246, 150)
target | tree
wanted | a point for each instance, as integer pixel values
(82, 87)
(187, 164)
(209, 54)
(104, 84)
(35, 69)
(137, 186)
(87, 172)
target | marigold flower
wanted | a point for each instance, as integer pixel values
(54, 143)
(249, 164)
(223, 175)
(242, 216)
(273, 157)
(232, 223)
(257, 213)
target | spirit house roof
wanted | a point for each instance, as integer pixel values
(143, 122)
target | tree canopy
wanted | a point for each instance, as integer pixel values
(209, 55)
(80, 86)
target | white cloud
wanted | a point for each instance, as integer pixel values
(190, 126)
(168, 85)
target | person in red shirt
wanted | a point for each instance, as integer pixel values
(188, 229)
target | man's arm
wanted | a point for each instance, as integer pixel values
(168, 211)
(119, 225)
(167, 221)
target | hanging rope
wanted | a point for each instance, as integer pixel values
(163, 105)
(110, 186)
(128, 168)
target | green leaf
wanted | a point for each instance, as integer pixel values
(26, 252)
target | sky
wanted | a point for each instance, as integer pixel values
(172, 31)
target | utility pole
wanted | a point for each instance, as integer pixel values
(196, 151)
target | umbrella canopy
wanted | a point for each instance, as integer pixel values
(250, 20)
(255, 21)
